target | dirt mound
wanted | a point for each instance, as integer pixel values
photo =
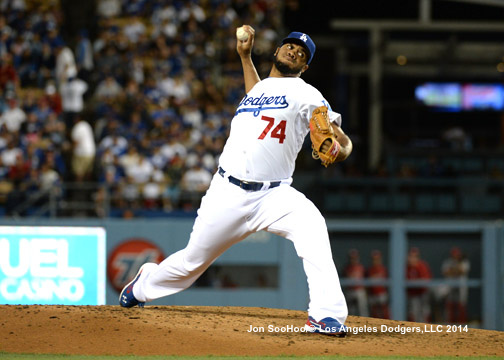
(195, 330)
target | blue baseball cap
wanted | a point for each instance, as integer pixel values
(303, 40)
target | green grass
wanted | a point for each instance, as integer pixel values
(210, 357)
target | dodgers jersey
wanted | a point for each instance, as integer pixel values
(269, 128)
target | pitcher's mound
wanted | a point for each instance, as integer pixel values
(205, 330)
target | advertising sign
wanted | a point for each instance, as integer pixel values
(52, 265)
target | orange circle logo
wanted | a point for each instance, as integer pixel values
(125, 260)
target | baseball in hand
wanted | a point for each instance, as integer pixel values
(241, 34)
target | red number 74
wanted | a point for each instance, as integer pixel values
(278, 132)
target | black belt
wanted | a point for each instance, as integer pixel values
(247, 185)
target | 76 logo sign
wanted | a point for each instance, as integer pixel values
(278, 132)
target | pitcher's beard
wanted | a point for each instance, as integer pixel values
(286, 69)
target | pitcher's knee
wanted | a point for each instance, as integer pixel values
(192, 267)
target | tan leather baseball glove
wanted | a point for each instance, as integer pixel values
(322, 132)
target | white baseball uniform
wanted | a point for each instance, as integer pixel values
(267, 133)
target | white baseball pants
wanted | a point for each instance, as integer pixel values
(228, 214)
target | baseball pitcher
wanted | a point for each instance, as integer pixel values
(251, 190)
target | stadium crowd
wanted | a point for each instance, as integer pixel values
(138, 103)
(142, 108)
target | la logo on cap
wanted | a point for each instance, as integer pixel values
(303, 37)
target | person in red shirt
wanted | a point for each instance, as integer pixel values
(456, 267)
(53, 98)
(378, 294)
(356, 294)
(20, 170)
(9, 79)
(418, 297)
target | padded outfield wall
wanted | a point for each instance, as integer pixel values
(263, 270)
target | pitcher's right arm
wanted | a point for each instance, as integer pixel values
(244, 49)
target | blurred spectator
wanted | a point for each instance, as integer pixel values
(378, 294)
(192, 115)
(65, 67)
(84, 150)
(108, 61)
(152, 191)
(42, 109)
(175, 87)
(55, 159)
(131, 102)
(31, 128)
(128, 214)
(134, 29)
(13, 116)
(165, 27)
(34, 154)
(54, 132)
(105, 125)
(141, 170)
(171, 194)
(158, 159)
(101, 199)
(108, 88)
(9, 79)
(84, 57)
(173, 147)
(191, 9)
(137, 70)
(195, 156)
(129, 194)
(117, 143)
(3, 105)
(16, 196)
(72, 99)
(20, 170)
(12, 5)
(53, 98)
(47, 65)
(47, 185)
(130, 158)
(12, 151)
(134, 7)
(111, 176)
(110, 168)
(418, 296)
(195, 181)
(50, 179)
(356, 294)
(28, 101)
(109, 8)
(456, 267)
(5, 34)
